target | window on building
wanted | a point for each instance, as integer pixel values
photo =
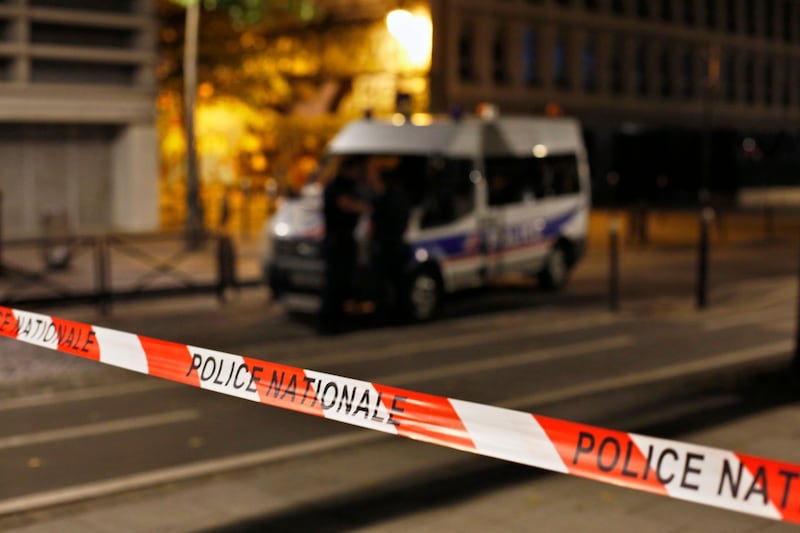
(76, 72)
(787, 19)
(796, 86)
(640, 78)
(643, 8)
(666, 10)
(750, 16)
(732, 15)
(561, 61)
(689, 12)
(729, 76)
(712, 18)
(114, 6)
(665, 63)
(769, 18)
(749, 80)
(499, 57)
(786, 89)
(466, 52)
(687, 74)
(54, 33)
(589, 60)
(5, 30)
(616, 73)
(618, 6)
(5, 69)
(769, 83)
(530, 57)
(592, 4)
(564, 3)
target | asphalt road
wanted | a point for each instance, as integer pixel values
(85, 430)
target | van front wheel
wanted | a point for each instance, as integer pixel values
(425, 295)
(556, 269)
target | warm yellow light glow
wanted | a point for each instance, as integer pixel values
(422, 119)
(173, 143)
(398, 119)
(414, 33)
(258, 162)
(398, 21)
(205, 90)
(250, 143)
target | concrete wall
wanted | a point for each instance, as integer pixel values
(134, 183)
(77, 114)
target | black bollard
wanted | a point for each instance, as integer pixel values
(613, 264)
(2, 263)
(102, 275)
(226, 266)
(796, 360)
(706, 216)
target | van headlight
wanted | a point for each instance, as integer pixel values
(281, 229)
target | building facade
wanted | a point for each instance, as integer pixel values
(669, 79)
(77, 118)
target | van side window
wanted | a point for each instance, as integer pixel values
(449, 192)
(507, 178)
(556, 176)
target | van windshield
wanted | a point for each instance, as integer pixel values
(440, 186)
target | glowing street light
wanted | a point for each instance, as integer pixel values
(414, 34)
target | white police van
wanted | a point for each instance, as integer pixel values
(491, 197)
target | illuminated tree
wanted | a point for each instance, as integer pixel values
(272, 91)
(241, 12)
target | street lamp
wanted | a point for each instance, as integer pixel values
(413, 31)
(194, 219)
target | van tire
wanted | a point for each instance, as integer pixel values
(425, 293)
(555, 273)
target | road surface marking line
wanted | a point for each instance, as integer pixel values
(449, 343)
(742, 319)
(782, 326)
(152, 478)
(513, 324)
(714, 362)
(98, 428)
(77, 395)
(517, 359)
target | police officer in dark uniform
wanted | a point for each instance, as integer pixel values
(342, 209)
(389, 253)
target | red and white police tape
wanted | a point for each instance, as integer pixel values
(701, 474)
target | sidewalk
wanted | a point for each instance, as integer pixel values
(681, 227)
(136, 264)
(130, 266)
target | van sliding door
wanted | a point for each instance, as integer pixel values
(514, 210)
